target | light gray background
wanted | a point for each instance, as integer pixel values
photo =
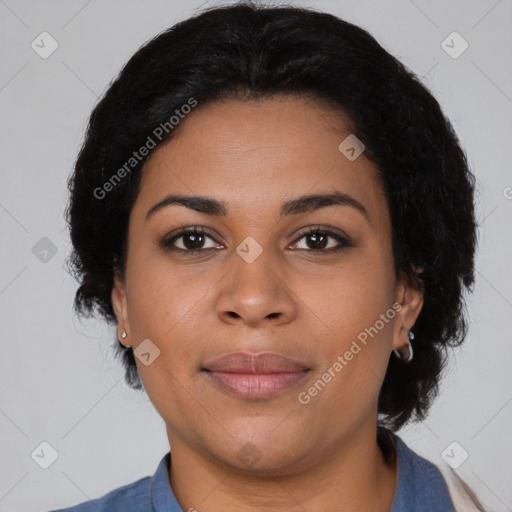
(59, 381)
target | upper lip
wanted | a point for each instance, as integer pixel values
(256, 363)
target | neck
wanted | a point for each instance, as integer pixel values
(352, 476)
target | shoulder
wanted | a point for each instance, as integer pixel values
(132, 497)
(139, 496)
(424, 487)
(420, 485)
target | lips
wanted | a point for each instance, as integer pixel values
(254, 375)
(250, 362)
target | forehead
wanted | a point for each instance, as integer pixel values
(254, 155)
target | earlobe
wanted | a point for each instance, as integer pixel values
(411, 299)
(119, 304)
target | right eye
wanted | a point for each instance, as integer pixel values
(192, 240)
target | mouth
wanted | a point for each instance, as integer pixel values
(254, 376)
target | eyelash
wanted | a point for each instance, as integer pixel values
(344, 242)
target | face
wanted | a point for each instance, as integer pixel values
(311, 280)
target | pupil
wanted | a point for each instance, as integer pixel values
(193, 245)
(317, 236)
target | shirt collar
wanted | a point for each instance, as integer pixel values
(162, 497)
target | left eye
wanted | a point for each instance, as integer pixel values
(317, 241)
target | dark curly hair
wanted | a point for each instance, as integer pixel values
(245, 51)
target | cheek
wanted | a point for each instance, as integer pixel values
(162, 298)
(161, 306)
(354, 305)
(356, 348)
(163, 309)
(350, 298)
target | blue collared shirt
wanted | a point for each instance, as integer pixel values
(420, 488)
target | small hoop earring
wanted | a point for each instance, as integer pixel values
(408, 358)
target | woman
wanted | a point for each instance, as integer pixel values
(279, 219)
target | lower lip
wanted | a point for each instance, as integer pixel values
(256, 386)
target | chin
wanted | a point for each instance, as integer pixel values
(260, 451)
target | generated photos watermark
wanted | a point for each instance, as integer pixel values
(137, 156)
(304, 397)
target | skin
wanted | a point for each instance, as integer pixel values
(253, 156)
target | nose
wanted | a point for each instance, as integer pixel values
(256, 294)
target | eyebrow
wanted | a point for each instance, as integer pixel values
(303, 204)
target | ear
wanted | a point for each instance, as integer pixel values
(411, 298)
(120, 305)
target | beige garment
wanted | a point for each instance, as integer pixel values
(464, 499)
